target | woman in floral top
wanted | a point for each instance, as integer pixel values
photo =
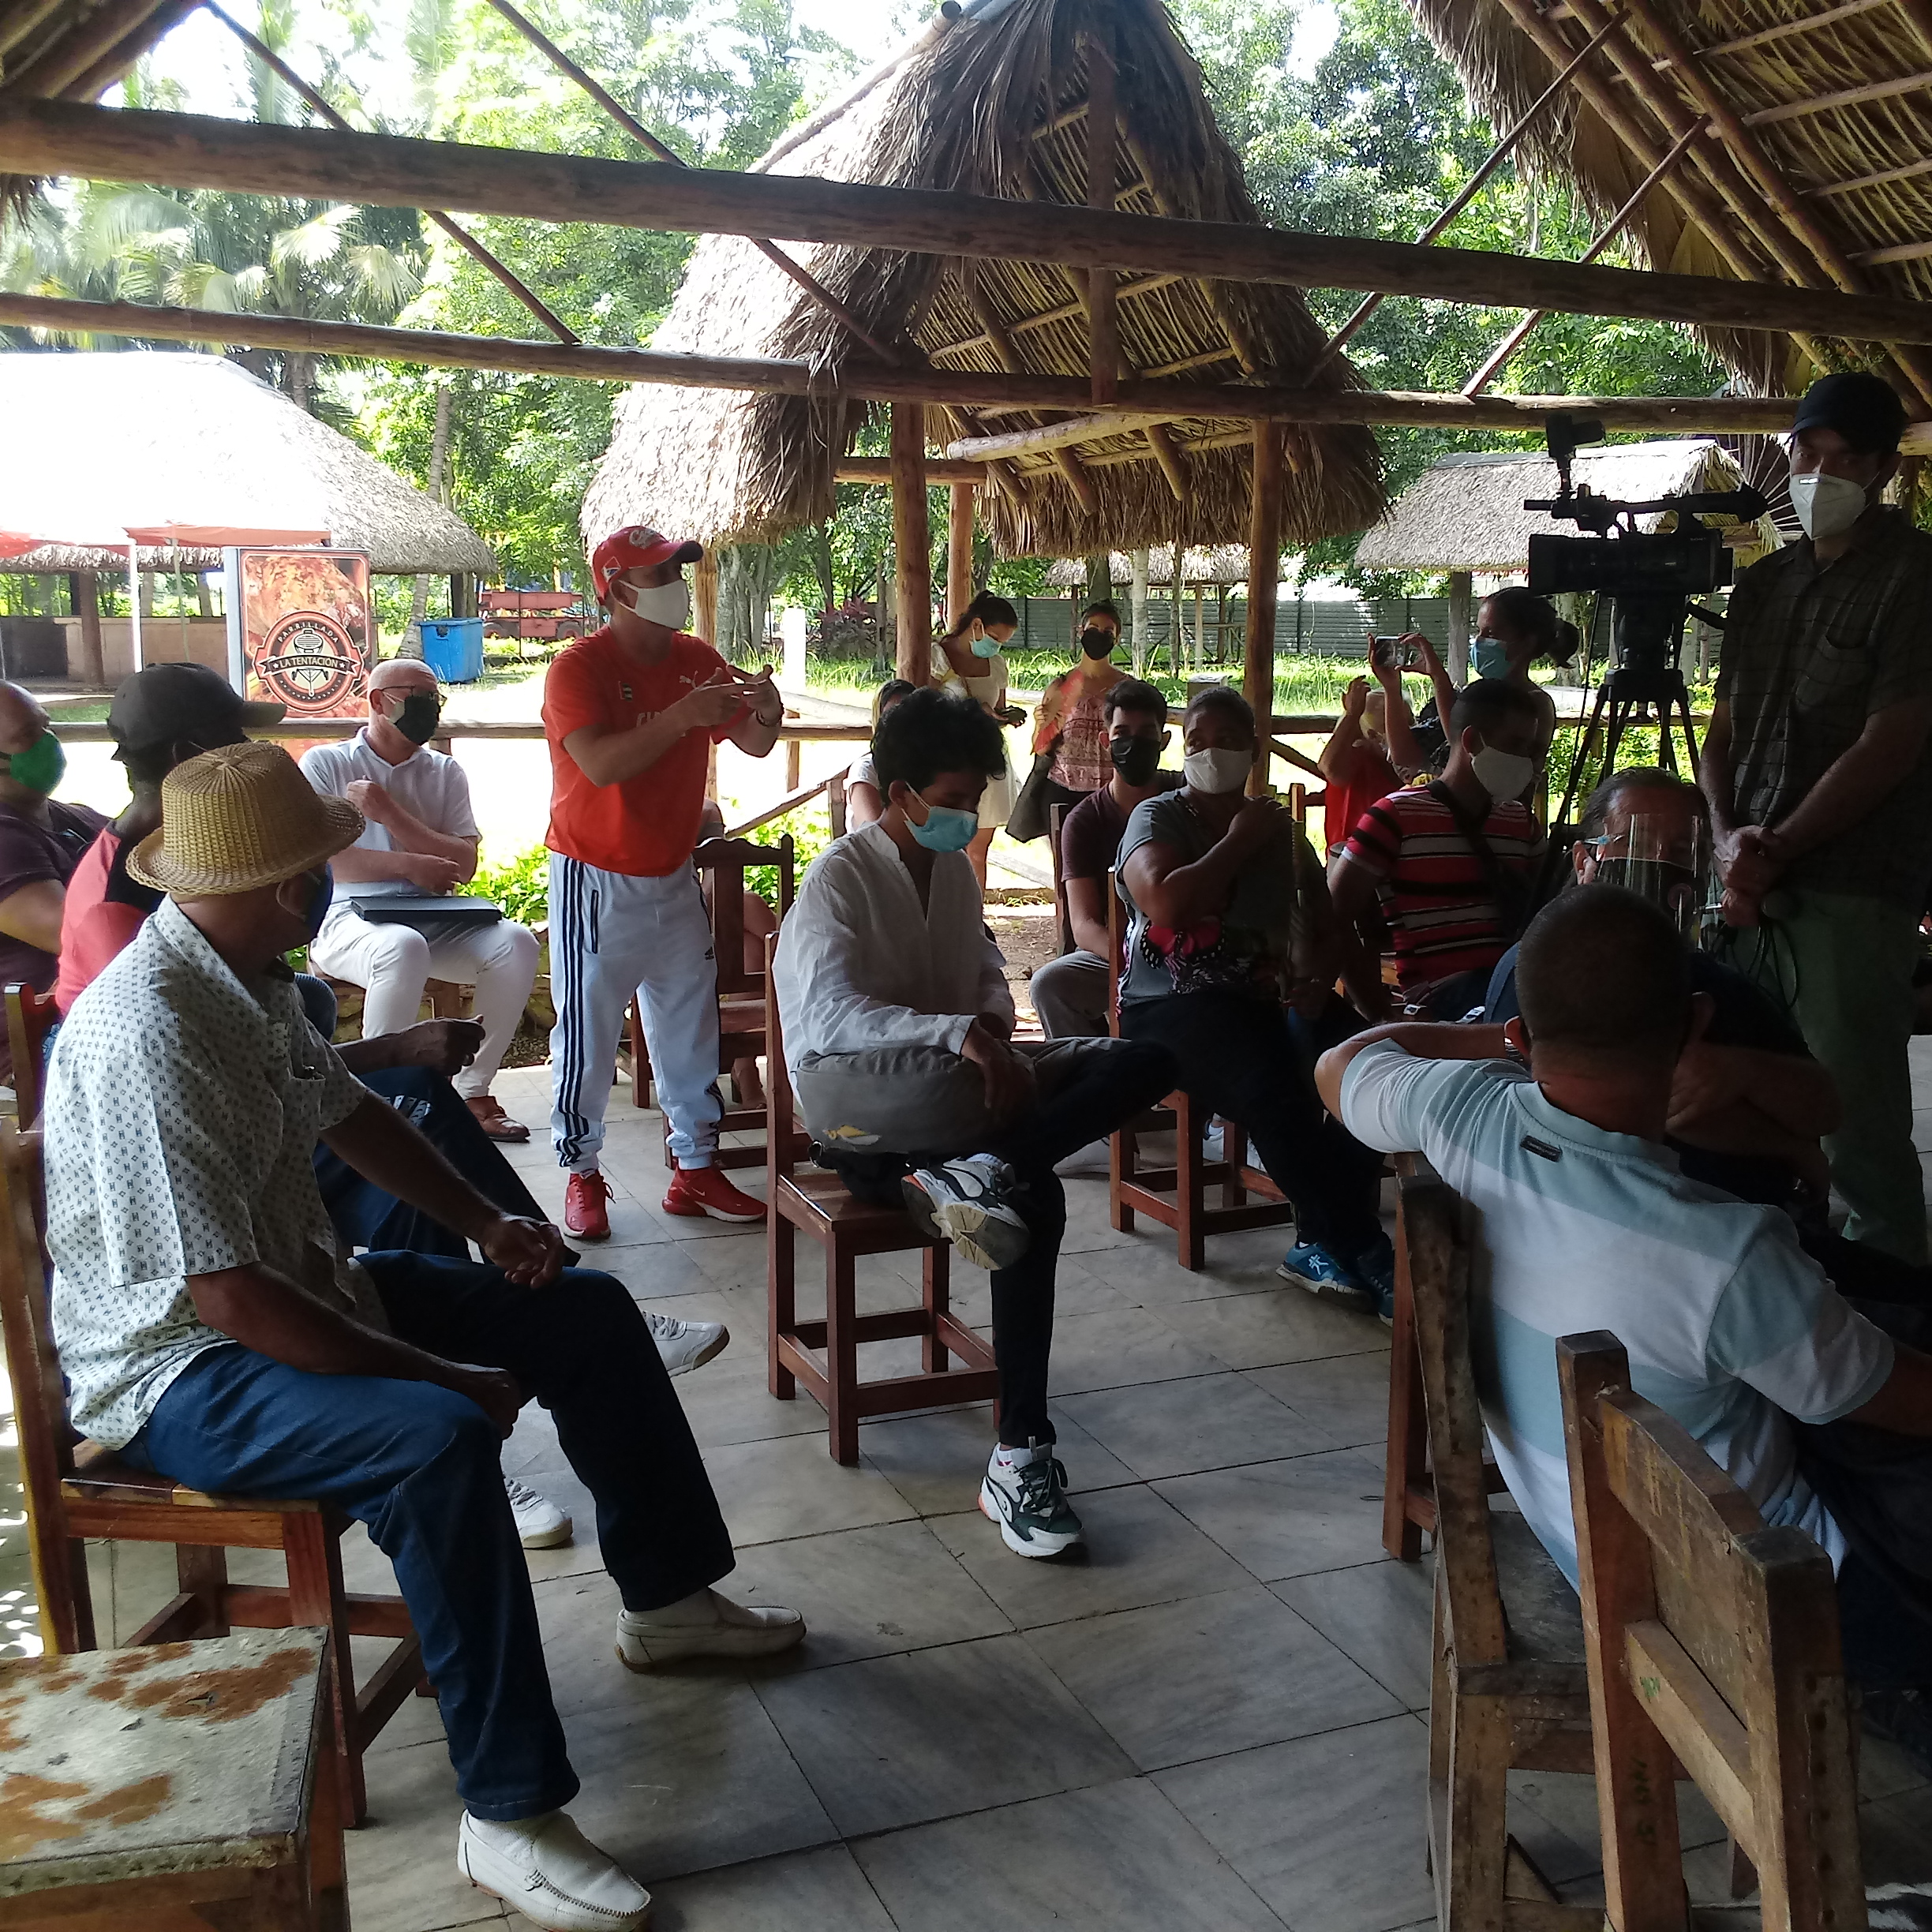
(1070, 722)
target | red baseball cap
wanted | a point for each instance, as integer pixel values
(636, 547)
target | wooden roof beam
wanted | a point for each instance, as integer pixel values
(87, 40)
(1167, 454)
(878, 470)
(1102, 162)
(1782, 30)
(194, 151)
(1845, 97)
(1881, 179)
(1067, 311)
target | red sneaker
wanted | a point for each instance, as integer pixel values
(696, 1191)
(585, 1215)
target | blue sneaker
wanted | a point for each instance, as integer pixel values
(1314, 1268)
(1375, 1265)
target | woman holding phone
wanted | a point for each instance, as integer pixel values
(968, 655)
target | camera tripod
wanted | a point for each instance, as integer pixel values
(1633, 694)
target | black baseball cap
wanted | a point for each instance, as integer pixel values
(1865, 409)
(170, 701)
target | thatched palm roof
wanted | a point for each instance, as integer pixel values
(1465, 512)
(101, 443)
(994, 105)
(1825, 176)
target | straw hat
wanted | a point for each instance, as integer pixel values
(239, 817)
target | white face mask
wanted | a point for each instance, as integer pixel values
(1502, 774)
(1217, 771)
(669, 605)
(1827, 505)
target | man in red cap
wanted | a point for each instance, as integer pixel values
(632, 713)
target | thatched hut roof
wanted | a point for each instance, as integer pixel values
(1465, 512)
(101, 443)
(995, 104)
(1836, 104)
(1216, 563)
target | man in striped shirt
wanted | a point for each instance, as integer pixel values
(1452, 864)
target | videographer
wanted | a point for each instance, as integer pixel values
(1820, 785)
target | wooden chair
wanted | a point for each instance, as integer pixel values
(1177, 1197)
(1508, 1689)
(741, 992)
(824, 1355)
(172, 1790)
(1713, 1640)
(835, 803)
(31, 1016)
(76, 1489)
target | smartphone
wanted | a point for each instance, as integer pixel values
(1393, 654)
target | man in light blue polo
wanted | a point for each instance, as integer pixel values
(1581, 1220)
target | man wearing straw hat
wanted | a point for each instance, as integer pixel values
(207, 1328)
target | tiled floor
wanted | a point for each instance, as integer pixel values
(1212, 1723)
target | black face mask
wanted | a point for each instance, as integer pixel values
(1096, 642)
(418, 720)
(1136, 759)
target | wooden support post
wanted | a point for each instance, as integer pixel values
(704, 597)
(911, 542)
(1264, 540)
(1460, 587)
(959, 551)
(85, 587)
(1138, 604)
(1103, 309)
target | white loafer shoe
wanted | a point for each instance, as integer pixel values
(646, 1638)
(546, 1870)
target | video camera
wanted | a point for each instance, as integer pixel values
(1648, 575)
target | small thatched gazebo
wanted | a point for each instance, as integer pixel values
(101, 445)
(996, 102)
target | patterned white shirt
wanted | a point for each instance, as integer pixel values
(182, 1113)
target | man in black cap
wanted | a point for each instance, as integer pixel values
(1820, 781)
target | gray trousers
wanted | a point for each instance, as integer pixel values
(1070, 994)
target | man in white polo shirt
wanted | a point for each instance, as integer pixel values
(1581, 1220)
(420, 840)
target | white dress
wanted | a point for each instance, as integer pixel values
(989, 687)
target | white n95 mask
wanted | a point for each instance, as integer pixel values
(1827, 505)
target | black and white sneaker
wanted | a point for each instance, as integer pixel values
(969, 1202)
(1028, 1501)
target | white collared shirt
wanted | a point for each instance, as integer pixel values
(429, 785)
(861, 963)
(182, 1114)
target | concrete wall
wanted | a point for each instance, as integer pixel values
(162, 642)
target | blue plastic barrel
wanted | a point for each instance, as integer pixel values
(452, 647)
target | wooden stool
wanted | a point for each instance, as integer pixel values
(1177, 1197)
(171, 1788)
(76, 1489)
(818, 1203)
(1713, 1639)
(1507, 1689)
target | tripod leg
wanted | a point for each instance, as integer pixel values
(1690, 735)
(1579, 762)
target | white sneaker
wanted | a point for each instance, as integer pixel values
(540, 1525)
(1095, 1158)
(969, 1203)
(703, 1624)
(1213, 1144)
(552, 1873)
(685, 1344)
(1027, 1497)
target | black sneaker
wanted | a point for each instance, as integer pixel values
(969, 1203)
(1029, 1502)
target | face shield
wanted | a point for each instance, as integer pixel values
(1666, 859)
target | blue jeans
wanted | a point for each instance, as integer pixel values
(367, 1216)
(421, 1467)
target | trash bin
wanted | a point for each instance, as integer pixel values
(452, 647)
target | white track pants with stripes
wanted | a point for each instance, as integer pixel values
(611, 935)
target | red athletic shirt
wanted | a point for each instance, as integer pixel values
(104, 909)
(646, 826)
(1370, 777)
(1441, 912)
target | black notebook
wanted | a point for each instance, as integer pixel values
(399, 909)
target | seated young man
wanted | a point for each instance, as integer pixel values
(1070, 992)
(210, 1328)
(1584, 1221)
(1230, 923)
(898, 1024)
(1453, 863)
